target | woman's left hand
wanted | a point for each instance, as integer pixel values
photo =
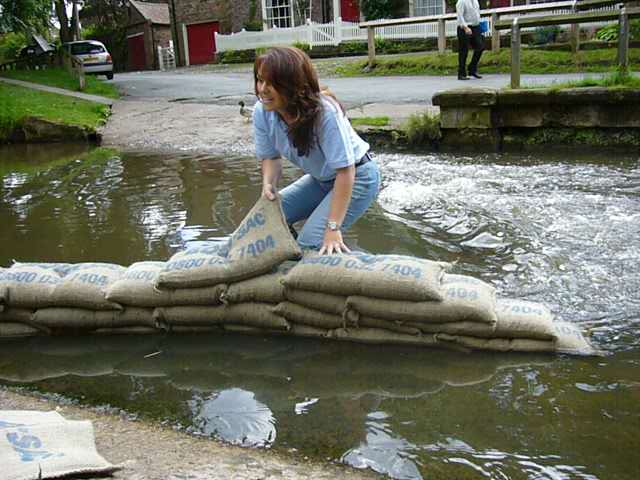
(333, 243)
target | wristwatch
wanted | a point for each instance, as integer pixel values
(333, 226)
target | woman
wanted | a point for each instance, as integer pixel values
(295, 120)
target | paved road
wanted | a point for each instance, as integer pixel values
(228, 88)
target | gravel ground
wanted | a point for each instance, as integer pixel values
(148, 451)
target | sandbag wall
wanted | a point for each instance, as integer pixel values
(255, 283)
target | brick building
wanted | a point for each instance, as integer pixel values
(149, 27)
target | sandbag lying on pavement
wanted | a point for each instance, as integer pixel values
(85, 286)
(379, 276)
(137, 287)
(259, 244)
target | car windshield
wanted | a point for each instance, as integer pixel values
(85, 49)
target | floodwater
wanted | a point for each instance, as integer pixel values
(554, 228)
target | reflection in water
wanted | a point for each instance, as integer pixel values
(556, 230)
(235, 416)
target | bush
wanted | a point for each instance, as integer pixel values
(610, 33)
(237, 56)
(305, 47)
(544, 35)
(423, 129)
(10, 46)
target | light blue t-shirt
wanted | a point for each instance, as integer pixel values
(337, 145)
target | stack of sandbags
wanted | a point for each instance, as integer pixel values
(246, 272)
(320, 287)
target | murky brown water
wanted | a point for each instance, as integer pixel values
(557, 229)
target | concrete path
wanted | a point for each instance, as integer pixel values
(59, 91)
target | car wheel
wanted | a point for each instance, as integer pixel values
(110, 76)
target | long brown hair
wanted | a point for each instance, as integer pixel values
(290, 71)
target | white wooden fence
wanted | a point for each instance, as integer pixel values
(316, 34)
(166, 57)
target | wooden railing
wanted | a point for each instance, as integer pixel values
(60, 59)
(493, 14)
(582, 13)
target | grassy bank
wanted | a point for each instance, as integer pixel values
(62, 79)
(17, 103)
(533, 62)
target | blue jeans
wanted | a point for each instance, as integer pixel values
(308, 198)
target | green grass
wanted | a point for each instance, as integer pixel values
(16, 103)
(533, 62)
(615, 80)
(370, 121)
(62, 79)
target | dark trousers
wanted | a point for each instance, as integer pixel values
(465, 41)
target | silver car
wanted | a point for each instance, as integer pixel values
(94, 56)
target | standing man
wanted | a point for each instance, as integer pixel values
(469, 34)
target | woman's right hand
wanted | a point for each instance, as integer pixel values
(268, 191)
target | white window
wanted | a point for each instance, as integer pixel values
(424, 8)
(278, 13)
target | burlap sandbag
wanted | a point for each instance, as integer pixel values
(248, 314)
(22, 316)
(378, 336)
(85, 286)
(259, 244)
(378, 276)
(464, 298)
(307, 316)
(569, 339)
(61, 269)
(371, 322)
(307, 331)
(28, 286)
(324, 302)
(474, 329)
(267, 288)
(137, 287)
(63, 318)
(522, 319)
(3, 294)
(17, 330)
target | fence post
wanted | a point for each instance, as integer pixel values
(495, 34)
(160, 60)
(515, 54)
(371, 45)
(442, 36)
(575, 31)
(623, 41)
(338, 31)
(310, 33)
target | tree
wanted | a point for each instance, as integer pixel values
(375, 9)
(26, 16)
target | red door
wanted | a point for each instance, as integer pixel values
(136, 53)
(350, 10)
(202, 43)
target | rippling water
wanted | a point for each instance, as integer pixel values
(558, 229)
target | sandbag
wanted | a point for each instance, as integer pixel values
(323, 302)
(307, 316)
(379, 276)
(61, 318)
(259, 244)
(371, 322)
(20, 315)
(85, 286)
(248, 314)
(474, 329)
(8, 329)
(464, 299)
(298, 330)
(61, 269)
(378, 336)
(569, 339)
(137, 287)
(28, 286)
(267, 288)
(523, 319)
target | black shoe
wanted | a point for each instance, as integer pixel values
(463, 77)
(475, 75)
